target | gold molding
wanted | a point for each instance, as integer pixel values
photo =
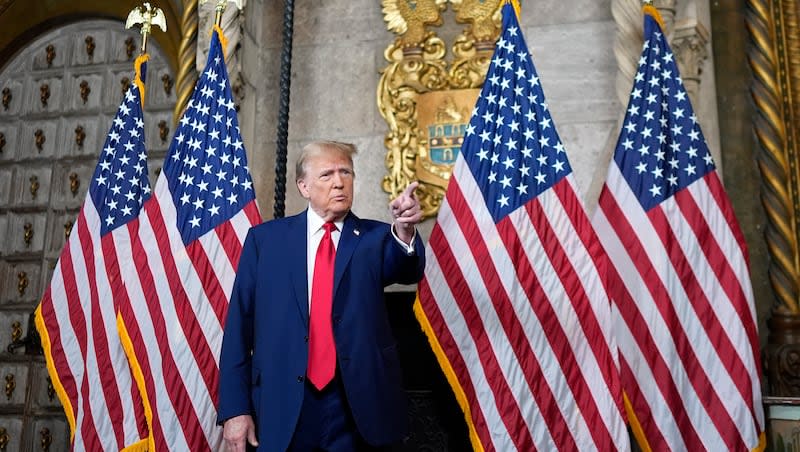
(21, 21)
(774, 58)
(420, 83)
(186, 77)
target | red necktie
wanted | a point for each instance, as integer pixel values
(321, 348)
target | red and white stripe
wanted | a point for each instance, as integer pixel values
(177, 333)
(522, 318)
(684, 313)
(77, 322)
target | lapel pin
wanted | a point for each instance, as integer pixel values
(356, 232)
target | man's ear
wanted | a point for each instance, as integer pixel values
(302, 188)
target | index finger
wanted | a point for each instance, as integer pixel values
(409, 191)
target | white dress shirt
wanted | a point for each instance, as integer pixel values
(314, 235)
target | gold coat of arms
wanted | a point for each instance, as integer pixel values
(426, 99)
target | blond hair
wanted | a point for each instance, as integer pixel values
(320, 147)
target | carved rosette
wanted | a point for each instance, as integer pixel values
(774, 57)
(417, 67)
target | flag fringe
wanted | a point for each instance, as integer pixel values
(223, 41)
(447, 368)
(137, 79)
(635, 425)
(653, 12)
(140, 446)
(51, 369)
(138, 376)
(517, 8)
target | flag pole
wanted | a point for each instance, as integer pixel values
(147, 16)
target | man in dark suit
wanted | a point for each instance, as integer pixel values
(308, 359)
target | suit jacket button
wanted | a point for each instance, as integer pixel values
(300, 378)
(305, 338)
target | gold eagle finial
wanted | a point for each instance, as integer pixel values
(485, 16)
(408, 18)
(147, 16)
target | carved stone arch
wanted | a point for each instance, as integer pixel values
(22, 21)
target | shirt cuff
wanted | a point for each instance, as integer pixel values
(409, 247)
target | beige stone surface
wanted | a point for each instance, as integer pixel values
(337, 57)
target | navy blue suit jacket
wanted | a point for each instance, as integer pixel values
(265, 349)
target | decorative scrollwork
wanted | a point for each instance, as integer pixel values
(39, 139)
(125, 83)
(167, 83)
(90, 45)
(44, 94)
(130, 47)
(28, 234)
(85, 90)
(34, 188)
(50, 54)
(67, 229)
(4, 439)
(16, 331)
(163, 130)
(80, 136)
(11, 384)
(74, 183)
(6, 97)
(46, 439)
(425, 100)
(22, 282)
(51, 390)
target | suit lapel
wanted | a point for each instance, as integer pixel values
(351, 234)
(298, 266)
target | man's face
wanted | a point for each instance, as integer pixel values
(328, 184)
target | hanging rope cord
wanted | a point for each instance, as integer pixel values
(283, 110)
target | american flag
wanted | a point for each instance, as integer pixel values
(513, 300)
(187, 252)
(77, 317)
(683, 304)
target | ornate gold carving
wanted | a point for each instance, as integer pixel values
(80, 136)
(50, 54)
(34, 188)
(28, 234)
(85, 90)
(776, 155)
(484, 16)
(408, 18)
(90, 45)
(11, 384)
(67, 229)
(125, 82)
(6, 97)
(51, 390)
(44, 93)
(130, 47)
(163, 130)
(2, 142)
(39, 139)
(186, 77)
(47, 439)
(4, 439)
(22, 282)
(74, 183)
(166, 81)
(16, 331)
(425, 100)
